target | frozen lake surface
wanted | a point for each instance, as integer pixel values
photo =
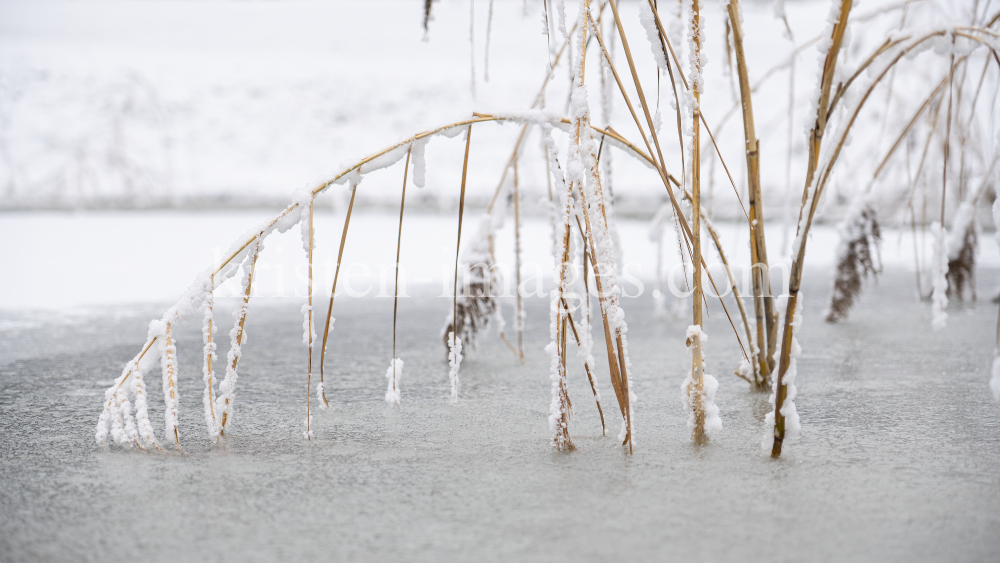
(899, 458)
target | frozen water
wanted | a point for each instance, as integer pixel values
(898, 460)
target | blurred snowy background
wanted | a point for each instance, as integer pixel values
(224, 103)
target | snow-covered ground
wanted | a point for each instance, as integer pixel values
(115, 258)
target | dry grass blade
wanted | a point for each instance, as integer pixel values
(333, 293)
(399, 245)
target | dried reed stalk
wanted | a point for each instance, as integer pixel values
(696, 394)
(762, 298)
(399, 244)
(795, 278)
(333, 294)
(665, 176)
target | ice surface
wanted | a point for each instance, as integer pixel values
(898, 459)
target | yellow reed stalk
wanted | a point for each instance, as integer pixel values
(697, 361)
(762, 298)
(333, 293)
(399, 245)
(815, 143)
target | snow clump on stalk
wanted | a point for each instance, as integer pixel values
(713, 424)
(393, 374)
(792, 425)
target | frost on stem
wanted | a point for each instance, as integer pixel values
(648, 22)
(393, 374)
(454, 362)
(792, 425)
(700, 402)
(308, 326)
(939, 280)
(237, 337)
(857, 257)
(168, 363)
(208, 374)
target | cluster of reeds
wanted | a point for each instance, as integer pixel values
(583, 224)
